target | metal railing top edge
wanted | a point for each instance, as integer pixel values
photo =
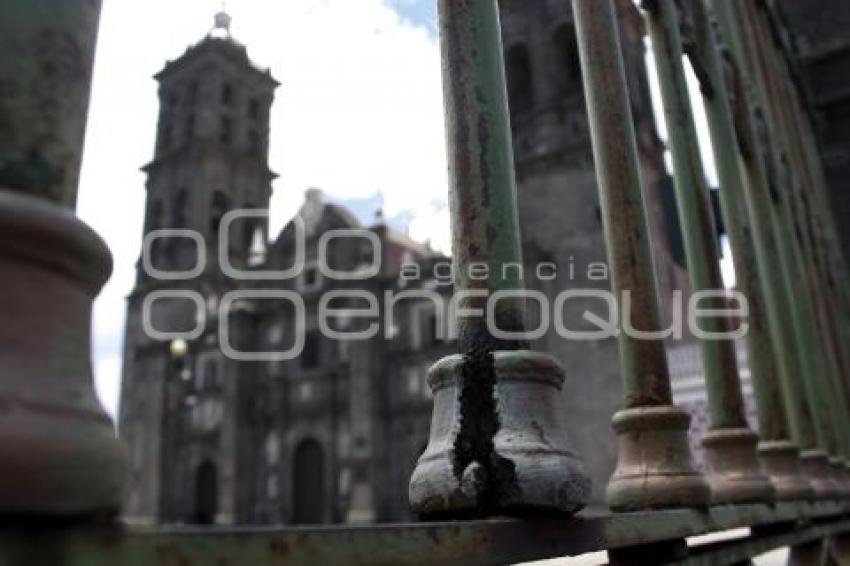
(471, 542)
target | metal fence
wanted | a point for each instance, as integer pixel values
(498, 440)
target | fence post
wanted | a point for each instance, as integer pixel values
(799, 279)
(812, 222)
(498, 439)
(735, 471)
(654, 466)
(761, 195)
(58, 452)
(778, 453)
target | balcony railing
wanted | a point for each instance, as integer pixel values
(498, 443)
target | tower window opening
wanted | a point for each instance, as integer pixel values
(254, 109)
(227, 94)
(193, 92)
(519, 77)
(253, 142)
(312, 350)
(190, 127)
(225, 134)
(178, 213)
(220, 205)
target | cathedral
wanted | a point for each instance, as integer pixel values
(224, 428)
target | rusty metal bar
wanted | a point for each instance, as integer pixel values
(816, 243)
(765, 195)
(45, 78)
(759, 203)
(735, 472)
(778, 453)
(808, 309)
(654, 462)
(502, 541)
(498, 439)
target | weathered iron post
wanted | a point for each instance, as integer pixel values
(802, 273)
(654, 466)
(811, 222)
(58, 452)
(778, 453)
(735, 472)
(758, 199)
(765, 192)
(498, 437)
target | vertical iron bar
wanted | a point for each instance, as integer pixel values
(45, 78)
(496, 398)
(815, 261)
(777, 452)
(810, 429)
(654, 462)
(808, 258)
(761, 198)
(735, 472)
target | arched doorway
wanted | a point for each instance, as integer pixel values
(308, 483)
(206, 493)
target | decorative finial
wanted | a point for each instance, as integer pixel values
(223, 19)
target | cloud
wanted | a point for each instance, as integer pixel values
(359, 112)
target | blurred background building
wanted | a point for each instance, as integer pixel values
(333, 435)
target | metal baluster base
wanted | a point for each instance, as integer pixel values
(654, 468)
(735, 472)
(59, 455)
(530, 468)
(781, 460)
(816, 465)
(839, 475)
(847, 472)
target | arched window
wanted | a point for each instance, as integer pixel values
(520, 87)
(567, 58)
(206, 494)
(308, 483)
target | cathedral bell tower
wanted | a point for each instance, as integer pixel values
(178, 408)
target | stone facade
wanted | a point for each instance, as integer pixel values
(823, 53)
(333, 435)
(218, 440)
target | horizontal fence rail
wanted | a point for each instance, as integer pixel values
(481, 542)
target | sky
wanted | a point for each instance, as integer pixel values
(359, 115)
